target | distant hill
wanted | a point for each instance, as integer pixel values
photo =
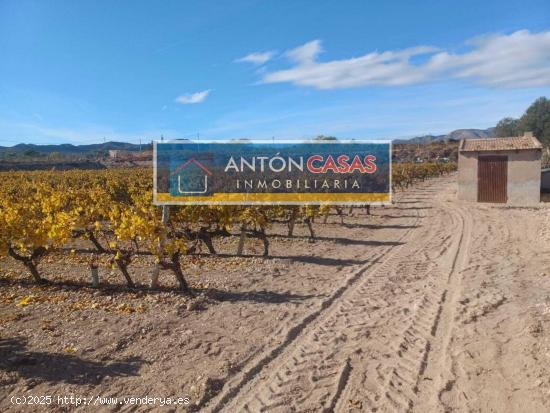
(68, 149)
(82, 150)
(455, 135)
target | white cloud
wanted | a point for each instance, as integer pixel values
(190, 98)
(257, 58)
(306, 53)
(387, 68)
(521, 59)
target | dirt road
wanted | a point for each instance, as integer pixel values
(456, 318)
(430, 305)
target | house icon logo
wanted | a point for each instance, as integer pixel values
(190, 178)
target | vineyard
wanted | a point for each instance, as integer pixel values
(112, 209)
(396, 293)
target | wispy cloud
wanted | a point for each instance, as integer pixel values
(305, 54)
(190, 98)
(520, 59)
(257, 58)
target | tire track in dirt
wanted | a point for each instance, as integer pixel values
(470, 303)
(390, 380)
(440, 365)
(314, 371)
(496, 317)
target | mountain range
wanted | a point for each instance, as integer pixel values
(455, 135)
(69, 149)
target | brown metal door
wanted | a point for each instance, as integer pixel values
(492, 179)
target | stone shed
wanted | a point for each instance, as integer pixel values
(500, 170)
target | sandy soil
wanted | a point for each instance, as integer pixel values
(430, 305)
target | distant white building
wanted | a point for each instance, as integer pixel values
(113, 154)
(117, 154)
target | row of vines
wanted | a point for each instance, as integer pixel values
(41, 212)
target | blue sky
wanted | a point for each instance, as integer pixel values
(84, 71)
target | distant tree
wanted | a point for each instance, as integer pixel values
(31, 153)
(507, 127)
(536, 119)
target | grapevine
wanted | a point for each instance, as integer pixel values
(42, 211)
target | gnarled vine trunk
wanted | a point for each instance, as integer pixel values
(30, 262)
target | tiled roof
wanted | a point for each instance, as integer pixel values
(500, 144)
